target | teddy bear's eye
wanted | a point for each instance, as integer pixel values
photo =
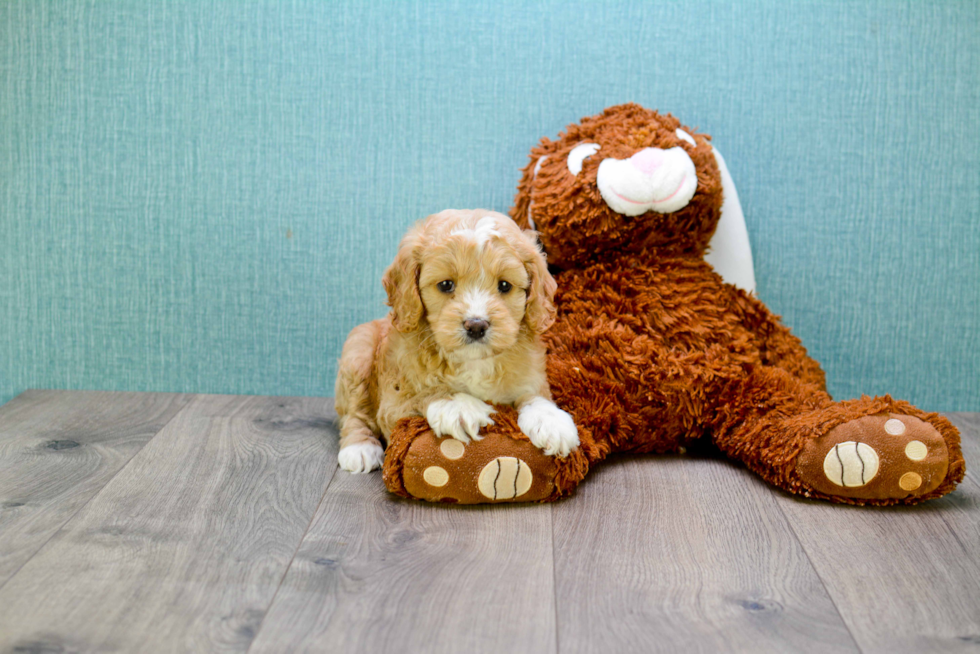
(579, 154)
(684, 136)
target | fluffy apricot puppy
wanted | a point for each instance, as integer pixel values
(470, 295)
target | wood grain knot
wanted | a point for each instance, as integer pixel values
(62, 445)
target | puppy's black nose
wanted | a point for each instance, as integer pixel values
(475, 328)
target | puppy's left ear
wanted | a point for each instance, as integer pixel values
(539, 312)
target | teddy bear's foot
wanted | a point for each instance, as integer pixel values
(880, 457)
(497, 468)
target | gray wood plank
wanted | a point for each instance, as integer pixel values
(969, 426)
(905, 579)
(57, 450)
(680, 554)
(377, 573)
(184, 549)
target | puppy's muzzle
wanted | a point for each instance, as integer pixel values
(475, 328)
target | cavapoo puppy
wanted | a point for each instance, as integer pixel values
(470, 294)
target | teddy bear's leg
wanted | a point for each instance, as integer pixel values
(503, 466)
(870, 450)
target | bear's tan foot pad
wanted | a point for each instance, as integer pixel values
(497, 468)
(880, 457)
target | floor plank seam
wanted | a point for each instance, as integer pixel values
(554, 577)
(299, 545)
(823, 583)
(951, 528)
(94, 495)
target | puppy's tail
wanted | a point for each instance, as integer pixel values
(356, 394)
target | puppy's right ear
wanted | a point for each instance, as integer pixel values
(539, 311)
(401, 282)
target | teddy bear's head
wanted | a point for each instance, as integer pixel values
(625, 181)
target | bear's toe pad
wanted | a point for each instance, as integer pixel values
(878, 457)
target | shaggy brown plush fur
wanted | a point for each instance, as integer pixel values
(652, 350)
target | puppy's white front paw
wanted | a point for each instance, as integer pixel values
(361, 457)
(461, 417)
(550, 429)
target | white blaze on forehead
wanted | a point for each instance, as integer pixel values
(476, 304)
(485, 229)
(684, 136)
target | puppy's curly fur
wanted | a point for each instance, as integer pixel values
(470, 294)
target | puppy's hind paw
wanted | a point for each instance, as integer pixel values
(550, 429)
(461, 417)
(361, 457)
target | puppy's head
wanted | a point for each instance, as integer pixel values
(475, 279)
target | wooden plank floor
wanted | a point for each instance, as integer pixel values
(137, 522)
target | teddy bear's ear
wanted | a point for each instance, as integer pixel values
(729, 251)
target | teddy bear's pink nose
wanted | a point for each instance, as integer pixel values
(647, 160)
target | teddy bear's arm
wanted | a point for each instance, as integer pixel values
(778, 347)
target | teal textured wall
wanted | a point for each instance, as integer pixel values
(202, 197)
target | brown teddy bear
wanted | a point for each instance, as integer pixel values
(653, 351)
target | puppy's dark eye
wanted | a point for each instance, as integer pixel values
(446, 286)
(504, 286)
